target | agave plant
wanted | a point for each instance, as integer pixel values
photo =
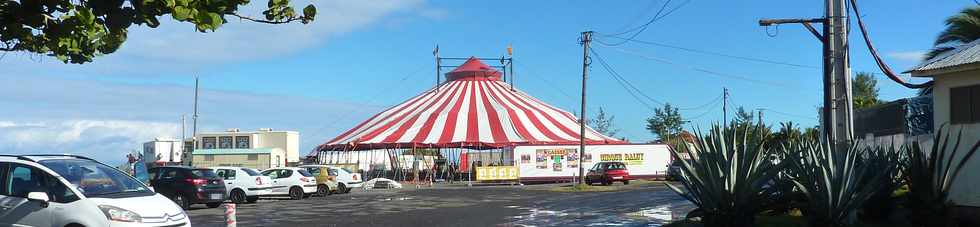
(837, 180)
(931, 176)
(727, 175)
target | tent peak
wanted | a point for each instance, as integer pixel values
(473, 69)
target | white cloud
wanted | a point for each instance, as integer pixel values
(176, 47)
(106, 140)
(105, 120)
(915, 55)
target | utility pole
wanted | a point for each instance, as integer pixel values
(837, 123)
(760, 115)
(197, 89)
(586, 40)
(724, 107)
(438, 66)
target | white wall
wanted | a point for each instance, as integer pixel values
(966, 190)
(161, 149)
(646, 159)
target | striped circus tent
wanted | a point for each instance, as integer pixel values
(473, 109)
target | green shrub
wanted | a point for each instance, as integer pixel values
(727, 175)
(930, 177)
(837, 180)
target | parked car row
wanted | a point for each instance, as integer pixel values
(212, 186)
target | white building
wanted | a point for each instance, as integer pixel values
(281, 147)
(956, 103)
(165, 150)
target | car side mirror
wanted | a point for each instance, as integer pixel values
(39, 197)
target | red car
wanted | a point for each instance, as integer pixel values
(606, 173)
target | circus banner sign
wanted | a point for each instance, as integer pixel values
(489, 173)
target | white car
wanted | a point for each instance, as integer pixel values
(244, 184)
(66, 190)
(294, 182)
(345, 179)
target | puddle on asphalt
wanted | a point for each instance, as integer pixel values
(396, 199)
(652, 216)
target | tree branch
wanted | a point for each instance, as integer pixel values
(266, 21)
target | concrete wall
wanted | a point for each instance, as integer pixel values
(286, 140)
(966, 190)
(264, 161)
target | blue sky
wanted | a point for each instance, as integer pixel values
(359, 57)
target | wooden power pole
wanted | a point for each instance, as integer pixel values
(837, 125)
(586, 40)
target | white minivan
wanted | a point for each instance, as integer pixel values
(294, 182)
(67, 190)
(243, 184)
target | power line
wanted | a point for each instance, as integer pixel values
(625, 84)
(641, 28)
(707, 71)
(745, 58)
(633, 90)
(720, 54)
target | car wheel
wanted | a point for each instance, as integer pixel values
(213, 205)
(588, 182)
(342, 188)
(322, 190)
(606, 182)
(181, 201)
(252, 199)
(237, 196)
(296, 193)
(626, 182)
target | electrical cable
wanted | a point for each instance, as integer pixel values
(644, 27)
(633, 90)
(874, 53)
(723, 54)
(707, 71)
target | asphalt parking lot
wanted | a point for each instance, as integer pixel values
(649, 204)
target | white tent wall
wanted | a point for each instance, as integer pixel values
(560, 162)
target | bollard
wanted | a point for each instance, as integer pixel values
(230, 219)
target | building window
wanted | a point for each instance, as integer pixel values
(224, 142)
(209, 157)
(964, 104)
(209, 143)
(253, 157)
(242, 142)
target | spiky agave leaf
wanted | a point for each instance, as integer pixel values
(837, 181)
(931, 175)
(726, 174)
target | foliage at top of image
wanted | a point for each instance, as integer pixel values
(962, 28)
(78, 31)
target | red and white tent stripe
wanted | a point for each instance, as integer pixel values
(473, 109)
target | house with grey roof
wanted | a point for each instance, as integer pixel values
(956, 103)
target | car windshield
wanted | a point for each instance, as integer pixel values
(304, 173)
(313, 170)
(204, 173)
(95, 179)
(251, 172)
(616, 165)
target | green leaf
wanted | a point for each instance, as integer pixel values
(181, 13)
(309, 12)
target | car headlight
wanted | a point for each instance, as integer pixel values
(119, 214)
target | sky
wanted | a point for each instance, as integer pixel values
(359, 57)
